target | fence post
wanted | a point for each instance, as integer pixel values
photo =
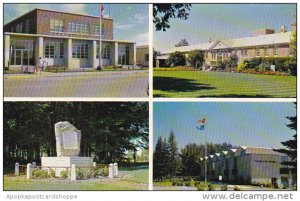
(111, 170)
(73, 173)
(94, 164)
(29, 171)
(17, 169)
(116, 169)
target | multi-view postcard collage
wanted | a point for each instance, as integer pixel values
(159, 97)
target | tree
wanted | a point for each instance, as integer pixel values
(161, 160)
(163, 12)
(176, 59)
(196, 58)
(183, 42)
(174, 156)
(293, 51)
(291, 145)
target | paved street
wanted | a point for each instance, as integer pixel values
(78, 84)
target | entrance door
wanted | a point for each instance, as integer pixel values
(21, 57)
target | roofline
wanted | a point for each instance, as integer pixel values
(66, 37)
(36, 9)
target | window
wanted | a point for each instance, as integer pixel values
(27, 26)
(80, 51)
(105, 51)
(257, 52)
(19, 28)
(266, 51)
(74, 27)
(146, 57)
(49, 51)
(96, 30)
(276, 52)
(61, 50)
(123, 55)
(56, 25)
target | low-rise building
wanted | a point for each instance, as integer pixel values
(261, 43)
(142, 55)
(63, 39)
(249, 165)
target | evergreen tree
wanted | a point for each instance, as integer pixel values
(161, 160)
(291, 145)
(174, 156)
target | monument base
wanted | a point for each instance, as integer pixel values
(65, 162)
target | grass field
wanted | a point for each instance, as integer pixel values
(196, 84)
(136, 179)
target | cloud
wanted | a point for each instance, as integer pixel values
(142, 39)
(74, 8)
(123, 26)
(140, 17)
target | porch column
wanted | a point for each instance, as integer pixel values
(68, 58)
(6, 49)
(134, 54)
(116, 53)
(39, 46)
(94, 54)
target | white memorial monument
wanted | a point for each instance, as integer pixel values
(67, 147)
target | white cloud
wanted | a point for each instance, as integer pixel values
(140, 17)
(142, 39)
(123, 26)
(74, 8)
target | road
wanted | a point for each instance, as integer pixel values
(78, 84)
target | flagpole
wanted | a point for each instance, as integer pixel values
(205, 160)
(100, 43)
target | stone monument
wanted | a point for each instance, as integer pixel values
(67, 147)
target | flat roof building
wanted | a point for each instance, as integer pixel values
(63, 39)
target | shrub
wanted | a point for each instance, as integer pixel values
(179, 183)
(79, 174)
(176, 59)
(236, 188)
(196, 184)
(187, 183)
(52, 173)
(174, 183)
(211, 187)
(241, 66)
(224, 187)
(64, 174)
(202, 186)
(36, 173)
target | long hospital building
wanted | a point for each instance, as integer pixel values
(261, 43)
(63, 39)
(248, 165)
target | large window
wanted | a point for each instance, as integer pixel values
(257, 52)
(79, 28)
(266, 51)
(146, 57)
(96, 30)
(49, 51)
(56, 25)
(80, 50)
(123, 55)
(54, 49)
(105, 51)
(276, 52)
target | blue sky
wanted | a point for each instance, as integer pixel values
(224, 21)
(130, 20)
(239, 123)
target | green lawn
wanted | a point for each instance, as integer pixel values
(136, 179)
(194, 84)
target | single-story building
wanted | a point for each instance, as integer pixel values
(142, 55)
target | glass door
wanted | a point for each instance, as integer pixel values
(25, 58)
(18, 57)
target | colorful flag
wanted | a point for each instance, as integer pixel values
(101, 10)
(201, 127)
(201, 121)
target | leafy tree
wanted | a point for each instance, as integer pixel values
(176, 59)
(183, 42)
(163, 12)
(291, 145)
(196, 58)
